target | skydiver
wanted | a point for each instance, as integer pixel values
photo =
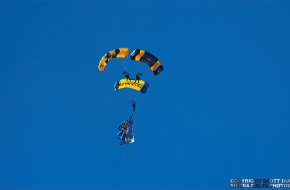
(126, 74)
(125, 134)
(124, 129)
(138, 76)
(134, 105)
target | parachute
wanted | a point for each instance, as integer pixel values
(116, 53)
(125, 130)
(139, 85)
(152, 61)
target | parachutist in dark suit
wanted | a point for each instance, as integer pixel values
(126, 74)
(138, 76)
(134, 105)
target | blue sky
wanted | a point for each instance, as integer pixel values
(220, 109)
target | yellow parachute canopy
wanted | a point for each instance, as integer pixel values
(116, 53)
(139, 85)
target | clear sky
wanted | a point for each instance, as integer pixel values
(220, 109)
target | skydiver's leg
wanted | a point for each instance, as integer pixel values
(123, 138)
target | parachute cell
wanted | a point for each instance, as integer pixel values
(152, 61)
(116, 53)
(139, 85)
